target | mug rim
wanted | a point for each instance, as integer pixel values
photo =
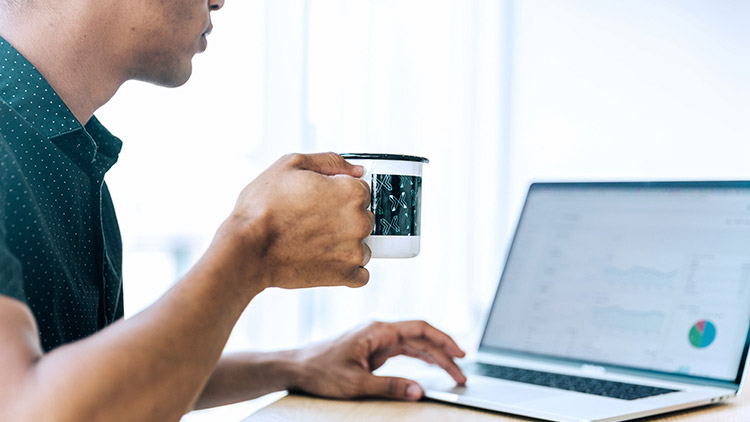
(391, 157)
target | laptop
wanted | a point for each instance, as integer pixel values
(616, 301)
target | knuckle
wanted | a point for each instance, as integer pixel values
(333, 159)
(376, 325)
(368, 255)
(384, 330)
(364, 188)
(364, 278)
(349, 184)
(367, 224)
(356, 187)
(293, 158)
(395, 387)
(371, 218)
(422, 327)
(333, 156)
(422, 347)
(362, 385)
(358, 278)
(356, 256)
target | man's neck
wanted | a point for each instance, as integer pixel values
(62, 47)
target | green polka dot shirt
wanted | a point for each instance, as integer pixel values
(60, 246)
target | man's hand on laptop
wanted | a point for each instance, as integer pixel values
(342, 367)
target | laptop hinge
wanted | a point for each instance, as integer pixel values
(593, 369)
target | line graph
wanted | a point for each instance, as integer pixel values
(616, 317)
(640, 275)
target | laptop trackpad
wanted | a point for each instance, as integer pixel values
(482, 388)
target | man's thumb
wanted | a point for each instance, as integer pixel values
(393, 387)
(327, 163)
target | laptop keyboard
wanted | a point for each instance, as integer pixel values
(616, 390)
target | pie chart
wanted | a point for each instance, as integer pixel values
(702, 334)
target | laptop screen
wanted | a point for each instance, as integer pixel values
(642, 275)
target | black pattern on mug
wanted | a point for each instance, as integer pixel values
(396, 204)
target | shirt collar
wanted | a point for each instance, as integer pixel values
(108, 145)
(25, 90)
(30, 95)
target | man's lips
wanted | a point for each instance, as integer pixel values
(208, 30)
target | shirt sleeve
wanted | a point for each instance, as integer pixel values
(11, 274)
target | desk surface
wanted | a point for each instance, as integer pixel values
(310, 409)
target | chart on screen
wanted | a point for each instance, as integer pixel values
(702, 334)
(623, 278)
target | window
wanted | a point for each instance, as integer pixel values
(495, 93)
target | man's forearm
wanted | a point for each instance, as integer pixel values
(245, 376)
(150, 367)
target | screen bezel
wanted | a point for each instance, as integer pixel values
(483, 348)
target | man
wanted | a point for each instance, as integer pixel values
(66, 354)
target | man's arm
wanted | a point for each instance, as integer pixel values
(247, 375)
(150, 367)
(300, 224)
(338, 368)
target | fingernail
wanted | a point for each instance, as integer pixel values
(413, 391)
(360, 170)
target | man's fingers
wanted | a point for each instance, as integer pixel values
(430, 353)
(357, 189)
(371, 216)
(368, 254)
(420, 340)
(391, 387)
(416, 329)
(360, 278)
(366, 190)
(327, 163)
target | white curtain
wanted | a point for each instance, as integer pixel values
(496, 93)
(419, 77)
(422, 78)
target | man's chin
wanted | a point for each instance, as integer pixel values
(176, 81)
(172, 78)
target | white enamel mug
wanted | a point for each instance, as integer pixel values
(396, 187)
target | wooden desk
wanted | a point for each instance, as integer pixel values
(309, 409)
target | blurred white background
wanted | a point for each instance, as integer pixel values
(496, 93)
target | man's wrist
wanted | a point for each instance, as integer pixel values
(243, 241)
(292, 369)
(280, 370)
